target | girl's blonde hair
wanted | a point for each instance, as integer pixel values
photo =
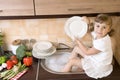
(103, 18)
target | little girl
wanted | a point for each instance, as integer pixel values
(96, 61)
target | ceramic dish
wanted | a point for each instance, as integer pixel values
(42, 46)
(75, 27)
(38, 57)
(43, 54)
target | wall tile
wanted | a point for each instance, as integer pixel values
(39, 29)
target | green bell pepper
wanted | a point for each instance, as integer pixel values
(3, 59)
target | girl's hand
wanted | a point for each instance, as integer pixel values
(77, 41)
(86, 19)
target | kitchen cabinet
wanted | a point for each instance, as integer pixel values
(61, 7)
(57, 7)
(16, 7)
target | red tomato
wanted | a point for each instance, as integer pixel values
(28, 61)
(9, 64)
(15, 61)
(13, 57)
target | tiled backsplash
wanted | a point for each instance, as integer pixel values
(39, 29)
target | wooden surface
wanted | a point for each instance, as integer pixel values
(116, 37)
(44, 75)
(57, 7)
(16, 7)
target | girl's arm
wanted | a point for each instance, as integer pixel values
(86, 50)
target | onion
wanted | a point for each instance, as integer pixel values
(1, 68)
(4, 65)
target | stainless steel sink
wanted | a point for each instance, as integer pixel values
(55, 63)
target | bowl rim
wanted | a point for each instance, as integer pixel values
(39, 46)
(44, 55)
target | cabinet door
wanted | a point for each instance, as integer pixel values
(16, 7)
(58, 7)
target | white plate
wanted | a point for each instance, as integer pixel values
(39, 57)
(75, 27)
(43, 55)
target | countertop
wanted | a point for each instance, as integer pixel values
(36, 72)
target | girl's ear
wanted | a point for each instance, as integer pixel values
(110, 29)
(111, 32)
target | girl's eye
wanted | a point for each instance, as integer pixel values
(98, 26)
(104, 27)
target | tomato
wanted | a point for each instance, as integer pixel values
(13, 57)
(28, 61)
(15, 61)
(9, 64)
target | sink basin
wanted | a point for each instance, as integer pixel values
(56, 62)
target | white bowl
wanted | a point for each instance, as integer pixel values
(42, 46)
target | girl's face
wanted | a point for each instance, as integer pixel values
(101, 29)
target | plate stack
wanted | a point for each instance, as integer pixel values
(43, 49)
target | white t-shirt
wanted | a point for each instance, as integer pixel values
(99, 65)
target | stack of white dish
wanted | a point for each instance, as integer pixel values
(43, 49)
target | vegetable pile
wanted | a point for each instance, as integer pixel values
(12, 65)
(24, 55)
(8, 74)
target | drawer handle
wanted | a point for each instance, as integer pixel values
(80, 9)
